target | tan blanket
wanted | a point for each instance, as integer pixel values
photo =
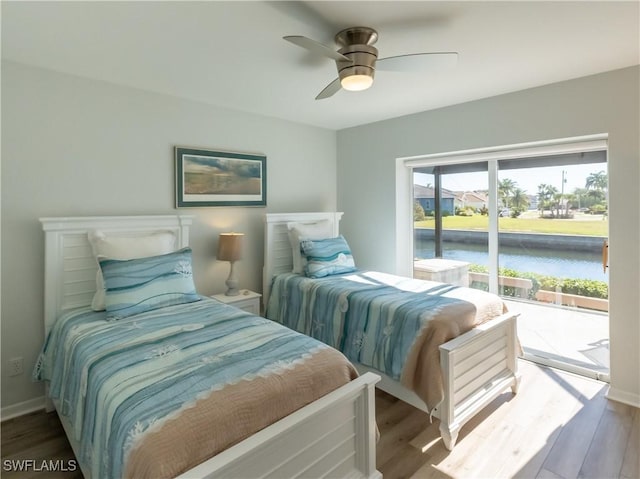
(371, 317)
(234, 413)
(421, 372)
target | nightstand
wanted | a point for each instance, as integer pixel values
(246, 300)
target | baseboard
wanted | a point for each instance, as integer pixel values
(624, 397)
(21, 408)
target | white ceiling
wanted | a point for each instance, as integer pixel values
(231, 54)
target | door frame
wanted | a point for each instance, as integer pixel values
(404, 186)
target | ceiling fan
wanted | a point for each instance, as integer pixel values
(357, 59)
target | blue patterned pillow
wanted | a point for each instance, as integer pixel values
(138, 285)
(326, 257)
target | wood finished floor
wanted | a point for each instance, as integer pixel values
(558, 426)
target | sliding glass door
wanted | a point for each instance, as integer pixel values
(531, 229)
(552, 231)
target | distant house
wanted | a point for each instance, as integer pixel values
(472, 199)
(426, 197)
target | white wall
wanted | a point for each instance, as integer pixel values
(72, 146)
(605, 103)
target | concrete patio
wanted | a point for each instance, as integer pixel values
(569, 338)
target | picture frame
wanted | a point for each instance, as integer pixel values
(219, 178)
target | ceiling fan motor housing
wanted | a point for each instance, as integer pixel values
(356, 36)
(357, 45)
(363, 61)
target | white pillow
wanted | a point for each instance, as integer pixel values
(312, 231)
(126, 247)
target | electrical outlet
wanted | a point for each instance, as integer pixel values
(16, 366)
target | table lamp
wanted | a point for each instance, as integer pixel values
(230, 249)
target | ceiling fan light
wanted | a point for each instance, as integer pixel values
(356, 82)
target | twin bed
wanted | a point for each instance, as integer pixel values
(446, 350)
(200, 389)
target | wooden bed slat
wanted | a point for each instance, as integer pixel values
(342, 454)
(480, 356)
(342, 469)
(337, 424)
(305, 457)
(486, 373)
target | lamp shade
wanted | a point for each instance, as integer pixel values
(230, 246)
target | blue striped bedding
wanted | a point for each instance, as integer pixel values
(116, 379)
(389, 323)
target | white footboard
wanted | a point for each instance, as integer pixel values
(334, 436)
(477, 367)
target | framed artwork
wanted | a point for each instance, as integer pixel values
(218, 178)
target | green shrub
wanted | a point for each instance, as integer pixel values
(468, 211)
(598, 209)
(418, 212)
(580, 287)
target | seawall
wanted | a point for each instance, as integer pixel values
(592, 244)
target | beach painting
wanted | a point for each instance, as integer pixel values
(216, 178)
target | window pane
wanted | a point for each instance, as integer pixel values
(464, 218)
(553, 221)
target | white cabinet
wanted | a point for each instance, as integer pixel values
(246, 300)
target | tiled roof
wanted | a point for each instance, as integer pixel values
(420, 191)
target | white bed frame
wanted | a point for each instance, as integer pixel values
(334, 436)
(476, 367)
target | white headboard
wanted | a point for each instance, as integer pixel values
(69, 265)
(277, 248)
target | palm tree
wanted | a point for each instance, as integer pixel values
(546, 196)
(505, 189)
(570, 199)
(597, 181)
(581, 195)
(557, 203)
(597, 195)
(596, 185)
(519, 200)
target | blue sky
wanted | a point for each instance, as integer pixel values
(528, 179)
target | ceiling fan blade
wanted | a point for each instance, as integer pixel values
(330, 90)
(316, 47)
(418, 62)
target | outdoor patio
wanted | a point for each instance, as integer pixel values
(579, 338)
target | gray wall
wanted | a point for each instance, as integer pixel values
(605, 103)
(72, 146)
